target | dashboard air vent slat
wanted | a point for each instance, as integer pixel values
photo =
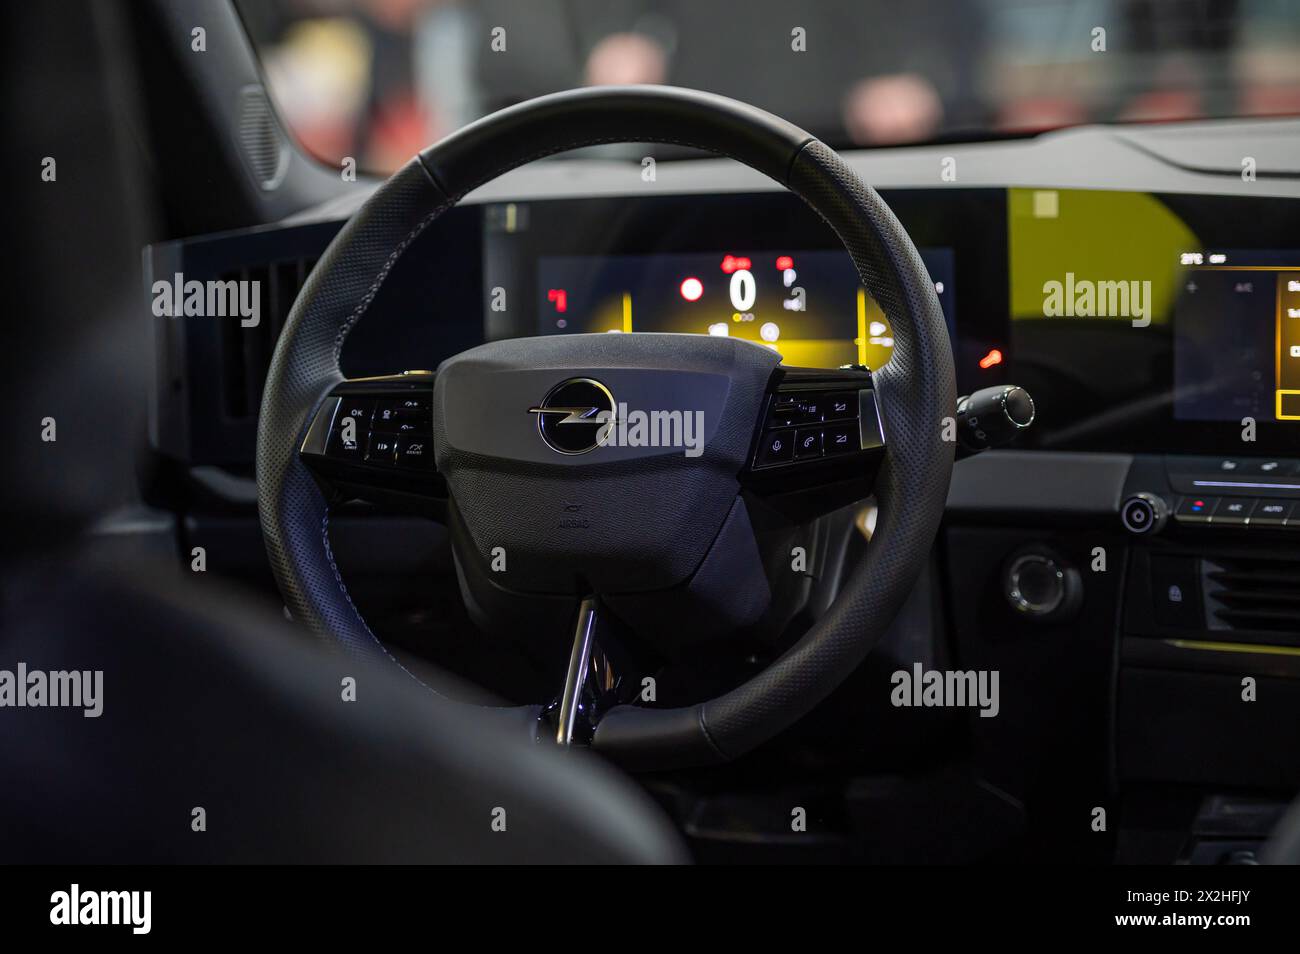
(1257, 594)
(246, 351)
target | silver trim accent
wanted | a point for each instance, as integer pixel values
(317, 437)
(1244, 485)
(576, 677)
(1023, 604)
(1033, 408)
(867, 439)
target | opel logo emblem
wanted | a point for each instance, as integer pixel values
(574, 416)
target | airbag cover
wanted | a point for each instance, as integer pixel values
(616, 518)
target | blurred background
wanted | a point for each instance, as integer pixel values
(377, 80)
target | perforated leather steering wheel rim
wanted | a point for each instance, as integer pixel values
(916, 391)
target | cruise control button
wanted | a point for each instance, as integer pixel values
(1271, 513)
(381, 449)
(403, 426)
(842, 407)
(807, 443)
(391, 412)
(414, 452)
(1195, 509)
(776, 448)
(1233, 511)
(841, 439)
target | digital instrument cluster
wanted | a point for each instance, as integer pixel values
(808, 305)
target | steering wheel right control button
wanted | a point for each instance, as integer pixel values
(793, 432)
(840, 439)
(807, 443)
(1143, 513)
(777, 447)
(841, 407)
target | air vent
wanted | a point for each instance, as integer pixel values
(263, 142)
(1253, 594)
(246, 352)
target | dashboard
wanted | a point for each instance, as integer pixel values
(1139, 321)
(1158, 332)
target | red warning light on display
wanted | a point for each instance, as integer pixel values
(732, 263)
(559, 298)
(784, 262)
(692, 289)
(990, 359)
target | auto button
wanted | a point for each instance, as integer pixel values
(1271, 513)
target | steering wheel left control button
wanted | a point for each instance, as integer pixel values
(347, 440)
(405, 415)
(777, 447)
(414, 451)
(382, 448)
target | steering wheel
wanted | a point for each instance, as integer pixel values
(551, 507)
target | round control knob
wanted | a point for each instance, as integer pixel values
(1036, 585)
(1143, 513)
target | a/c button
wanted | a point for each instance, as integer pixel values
(1233, 511)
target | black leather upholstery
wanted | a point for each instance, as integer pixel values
(917, 386)
(206, 703)
(205, 700)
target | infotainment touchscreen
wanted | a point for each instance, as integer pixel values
(809, 306)
(1237, 336)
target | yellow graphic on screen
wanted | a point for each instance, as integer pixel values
(871, 344)
(1063, 240)
(1288, 345)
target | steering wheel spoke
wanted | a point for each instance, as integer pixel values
(372, 439)
(819, 440)
(592, 684)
